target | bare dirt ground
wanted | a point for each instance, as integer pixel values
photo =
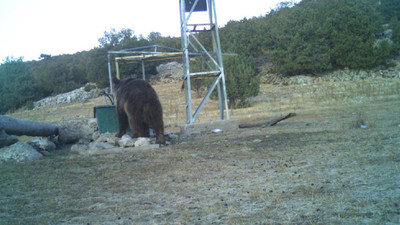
(319, 167)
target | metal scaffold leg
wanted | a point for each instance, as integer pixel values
(192, 47)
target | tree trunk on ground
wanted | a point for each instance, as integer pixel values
(6, 140)
(26, 127)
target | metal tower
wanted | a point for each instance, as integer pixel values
(212, 58)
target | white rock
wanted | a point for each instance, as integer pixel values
(73, 130)
(78, 148)
(19, 152)
(92, 123)
(95, 135)
(100, 145)
(42, 144)
(108, 138)
(142, 142)
(126, 141)
(257, 140)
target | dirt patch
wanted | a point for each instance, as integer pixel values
(319, 167)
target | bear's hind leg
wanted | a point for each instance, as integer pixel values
(122, 122)
(145, 129)
(133, 123)
(160, 138)
(158, 126)
(141, 129)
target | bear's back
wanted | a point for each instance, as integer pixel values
(136, 90)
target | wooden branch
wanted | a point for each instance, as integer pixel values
(267, 123)
(26, 127)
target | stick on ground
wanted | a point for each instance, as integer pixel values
(267, 123)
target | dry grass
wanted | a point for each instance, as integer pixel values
(316, 168)
(271, 101)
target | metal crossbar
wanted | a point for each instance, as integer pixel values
(140, 54)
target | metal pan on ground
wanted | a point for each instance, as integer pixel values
(216, 131)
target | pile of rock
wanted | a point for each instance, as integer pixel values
(13, 150)
(88, 140)
(82, 134)
(170, 72)
(27, 151)
(108, 141)
(74, 131)
(78, 95)
(19, 152)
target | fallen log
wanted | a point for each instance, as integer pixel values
(267, 123)
(18, 127)
(6, 140)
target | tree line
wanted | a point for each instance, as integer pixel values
(319, 35)
(312, 36)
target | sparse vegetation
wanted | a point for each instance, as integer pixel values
(308, 37)
(29, 105)
(315, 168)
(319, 167)
(89, 87)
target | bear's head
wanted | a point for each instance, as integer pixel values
(116, 83)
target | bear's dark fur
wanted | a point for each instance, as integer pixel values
(138, 106)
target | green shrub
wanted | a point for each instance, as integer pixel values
(89, 87)
(316, 36)
(395, 25)
(29, 105)
(242, 80)
(323, 35)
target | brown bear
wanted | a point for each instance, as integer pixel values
(138, 106)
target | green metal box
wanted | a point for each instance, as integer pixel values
(107, 120)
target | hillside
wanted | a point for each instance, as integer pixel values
(337, 84)
(320, 167)
(312, 37)
(335, 162)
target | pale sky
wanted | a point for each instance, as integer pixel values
(29, 28)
